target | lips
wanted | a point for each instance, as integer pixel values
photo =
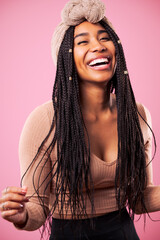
(100, 63)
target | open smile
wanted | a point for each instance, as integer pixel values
(100, 63)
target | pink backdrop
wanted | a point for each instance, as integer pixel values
(27, 76)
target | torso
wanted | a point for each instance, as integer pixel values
(103, 136)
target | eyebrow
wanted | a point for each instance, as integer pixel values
(86, 33)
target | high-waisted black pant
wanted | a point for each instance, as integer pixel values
(111, 226)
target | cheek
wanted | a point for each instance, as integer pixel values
(75, 56)
(110, 45)
(78, 59)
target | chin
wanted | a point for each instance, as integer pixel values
(100, 79)
(96, 77)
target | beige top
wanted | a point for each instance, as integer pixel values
(35, 130)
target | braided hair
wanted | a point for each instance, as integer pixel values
(72, 167)
(131, 177)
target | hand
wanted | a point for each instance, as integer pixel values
(12, 205)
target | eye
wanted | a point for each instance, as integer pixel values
(105, 39)
(82, 42)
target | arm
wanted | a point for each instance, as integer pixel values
(35, 130)
(152, 192)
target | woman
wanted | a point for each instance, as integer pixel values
(85, 155)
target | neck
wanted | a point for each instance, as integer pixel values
(95, 99)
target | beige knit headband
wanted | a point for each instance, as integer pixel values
(74, 13)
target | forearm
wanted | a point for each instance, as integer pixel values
(151, 199)
(35, 217)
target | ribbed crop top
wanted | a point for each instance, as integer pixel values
(35, 130)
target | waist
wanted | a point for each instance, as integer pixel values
(95, 217)
(104, 203)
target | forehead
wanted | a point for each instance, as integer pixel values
(87, 27)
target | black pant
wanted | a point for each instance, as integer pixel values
(111, 226)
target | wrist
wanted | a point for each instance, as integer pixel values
(22, 224)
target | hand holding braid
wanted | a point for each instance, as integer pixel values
(12, 205)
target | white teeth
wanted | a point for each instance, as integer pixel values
(98, 60)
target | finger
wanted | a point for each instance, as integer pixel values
(2, 207)
(10, 205)
(13, 197)
(8, 213)
(19, 190)
(4, 191)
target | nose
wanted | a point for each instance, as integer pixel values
(97, 46)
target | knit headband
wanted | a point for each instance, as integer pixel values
(74, 13)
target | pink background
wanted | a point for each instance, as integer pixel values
(27, 76)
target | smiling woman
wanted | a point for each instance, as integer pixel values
(94, 53)
(86, 155)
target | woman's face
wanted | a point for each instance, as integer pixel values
(94, 53)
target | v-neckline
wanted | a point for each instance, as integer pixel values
(102, 161)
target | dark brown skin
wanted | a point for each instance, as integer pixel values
(98, 105)
(12, 205)
(98, 108)
(102, 131)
